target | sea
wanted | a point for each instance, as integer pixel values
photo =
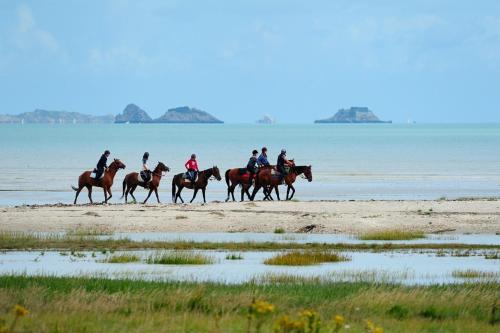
(40, 162)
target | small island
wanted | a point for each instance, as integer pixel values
(133, 114)
(354, 115)
(266, 119)
(40, 116)
(187, 115)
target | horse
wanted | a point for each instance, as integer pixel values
(235, 177)
(131, 181)
(201, 183)
(265, 178)
(105, 182)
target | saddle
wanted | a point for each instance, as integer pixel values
(145, 176)
(93, 174)
(186, 178)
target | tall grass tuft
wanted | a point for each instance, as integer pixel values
(392, 235)
(303, 258)
(474, 274)
(122, 258)
(179, 258)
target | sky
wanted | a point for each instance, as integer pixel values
(431, 61)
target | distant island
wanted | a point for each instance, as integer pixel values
(266, 119)
(55, 117)
(131, 114)
(357, 115)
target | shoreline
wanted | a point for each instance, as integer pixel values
(326, 217)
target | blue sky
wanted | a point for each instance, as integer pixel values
(430, 61)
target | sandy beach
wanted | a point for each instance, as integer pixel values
(471, 216)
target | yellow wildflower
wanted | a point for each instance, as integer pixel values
(262, 307)
(339, 320)
(20, 311)
(378, 330)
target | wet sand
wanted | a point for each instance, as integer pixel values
(471, 216)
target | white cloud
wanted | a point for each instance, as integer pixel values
(28, 35)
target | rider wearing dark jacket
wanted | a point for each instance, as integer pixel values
(281, 163)
(262, 160)
(252, 166)
(102, 164)
(145, 172)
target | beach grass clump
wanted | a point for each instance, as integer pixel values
(234, 256)
(279, 231)
(82, 232)
(474, 274)
(392, 235)
(122, 258)
(179, 258)
(304, 258)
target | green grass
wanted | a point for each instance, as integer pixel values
(89, 232)
(122, 258)
(474, 274)
(234, 256)
(279, 231)
(392, 235)
(179, 258)
(30, 241)
(304, 258)
(90, 305)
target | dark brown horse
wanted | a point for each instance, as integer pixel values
(236, 176)
(265, 178)
(131, 182)
(105, 182)
(178, 183)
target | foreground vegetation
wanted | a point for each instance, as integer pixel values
(104, 305)
(24, 241)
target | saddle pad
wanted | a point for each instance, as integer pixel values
(185, 177)
(93, 174)
(142, 177)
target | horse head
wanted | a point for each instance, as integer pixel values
(162, 167)
(308, 173)
(216, 173)
(118, 164)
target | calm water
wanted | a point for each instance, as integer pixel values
(386, 161)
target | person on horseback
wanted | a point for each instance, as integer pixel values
(145, 173)
(252, 166)
(282, 163)
(192, 168)
(262, 160)
(102, 165)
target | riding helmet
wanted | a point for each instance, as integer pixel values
(145, 156)
(254, 152)
(107, 152)
(264, 149)
(283, 151)
(193, 156)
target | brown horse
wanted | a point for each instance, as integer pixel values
(265, 178)
(105, 182)
(201, 183)
(131, 182)
(235, 177)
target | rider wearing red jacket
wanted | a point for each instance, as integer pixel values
(192, 168)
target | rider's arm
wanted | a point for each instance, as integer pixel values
(187, 165)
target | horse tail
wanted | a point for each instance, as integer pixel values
(227, 177)
(74, 188)
(173, 188)
(124, 185)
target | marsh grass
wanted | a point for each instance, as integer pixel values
(82, 304)
(179, 258)
(122, 258)
(79, 232)
(34, 241)
(234, 256)
(474, 274)
(279, 231)
(392, 235)
(304, 258)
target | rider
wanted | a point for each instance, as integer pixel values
(262, 160)
(145, 169)
(281, 163)
(252, 166)
(102, 164)
(192, 167)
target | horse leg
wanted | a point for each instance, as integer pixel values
(105, 195)
(77, 193)
(277, 192)
(109, 192)
(179, 194)
(203, 192)
(149, 194)
(194, 194)
(293, 192)
(243, 189)
(255, 190)
(132, 189)
(287, 192)
(156, 193)
(89, 188)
